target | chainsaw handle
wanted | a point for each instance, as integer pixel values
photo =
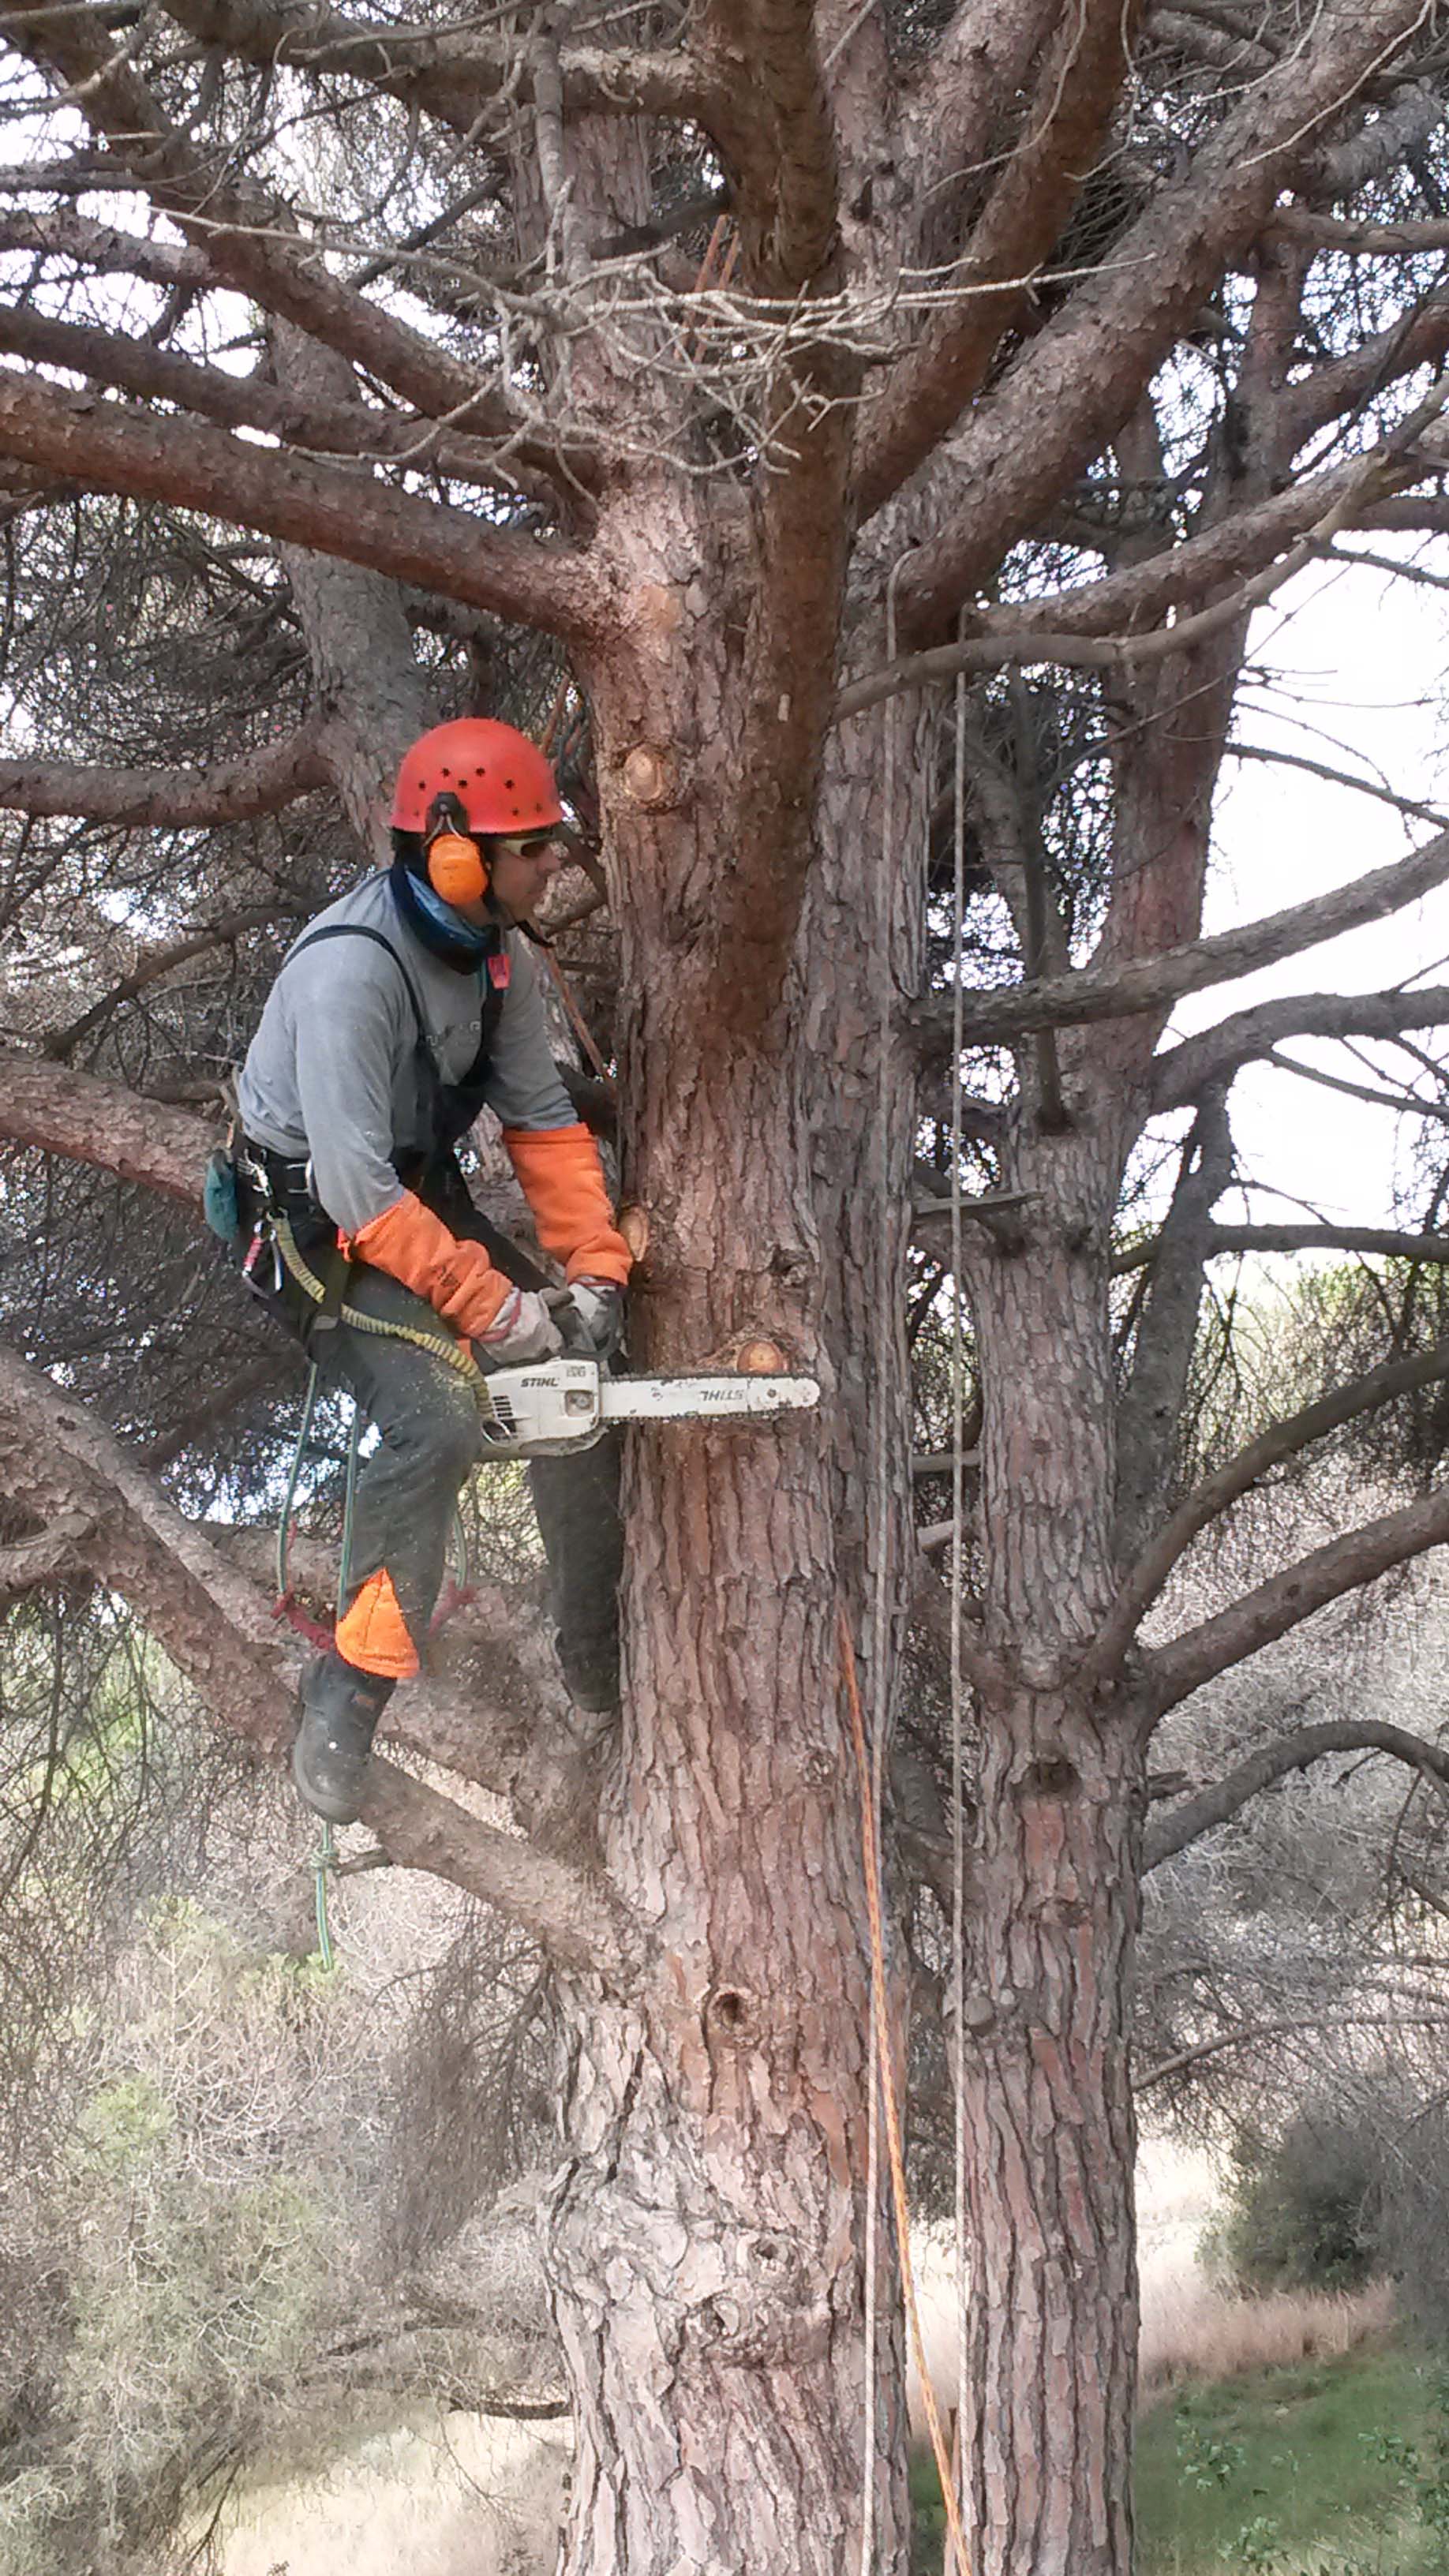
(578, 1341)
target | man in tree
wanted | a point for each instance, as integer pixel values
(406, 1008)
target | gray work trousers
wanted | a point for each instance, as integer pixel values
(428, 1442)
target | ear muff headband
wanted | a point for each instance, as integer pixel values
(457, 869)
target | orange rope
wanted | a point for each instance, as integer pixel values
(891, 2106)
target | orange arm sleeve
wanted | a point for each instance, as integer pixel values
(457, 1279)
(563, 1181)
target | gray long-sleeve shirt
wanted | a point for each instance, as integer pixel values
(333, 1073)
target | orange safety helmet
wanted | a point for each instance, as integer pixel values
(501, 780)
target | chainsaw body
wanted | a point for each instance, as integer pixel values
(552, 1406)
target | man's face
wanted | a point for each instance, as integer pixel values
(523, 866)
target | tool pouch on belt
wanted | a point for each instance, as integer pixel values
(218, 1198)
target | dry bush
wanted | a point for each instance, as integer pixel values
(1191, 2329)
(194, 2217)
(1210, 2334)
(451, 2492)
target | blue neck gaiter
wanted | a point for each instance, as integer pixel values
(437, 925)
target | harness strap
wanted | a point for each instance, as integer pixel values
(453, 1106)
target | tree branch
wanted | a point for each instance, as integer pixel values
(968, 87)
(1185, 1071)
(783, 153)
(1074, 629)
(1151, 1405)
(450, 74)
(1199, 1815)
(1369, 1239)
(263, 781)
(1404, 1104)
(787, 215)
(55, 1554)
(1083, 374)
(1079, 77)
(60, 233)
(218, 1631)
(1216, 1493)
(1152, 983)
(113, 449)
(349, 428)
(1269, 757)
(1295, 2027)
(103, 1124)
(1172, 1672)
(156, 963)
(247, 242)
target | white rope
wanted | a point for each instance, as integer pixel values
(880, 1616)
(958, 1515)
(880, 1610)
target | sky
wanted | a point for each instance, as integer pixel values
(1360, 665)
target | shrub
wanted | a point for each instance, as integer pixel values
(192, 2249)
(1304, 2208)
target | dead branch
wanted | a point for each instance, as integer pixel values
(1216, 1493)
(1360, 1556)
(1152, 983)
(1214, 1806)
(154, 967)
(1404, 1104)
(1186, 1070)
(1369, 1239)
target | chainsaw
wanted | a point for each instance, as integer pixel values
(553, 1406)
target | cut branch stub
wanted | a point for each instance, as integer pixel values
(651, 777)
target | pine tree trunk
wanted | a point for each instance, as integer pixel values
(707, 2231)
(1050, 2134)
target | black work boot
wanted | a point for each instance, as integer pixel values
(590, 1669)
(340, 1710)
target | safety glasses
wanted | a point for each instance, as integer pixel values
(526, 845)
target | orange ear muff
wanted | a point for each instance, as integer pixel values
(456, 868)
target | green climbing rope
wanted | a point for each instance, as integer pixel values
(324, 1859)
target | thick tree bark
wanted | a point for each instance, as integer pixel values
(707, 2228)
(1047, 2094)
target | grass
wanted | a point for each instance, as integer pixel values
(1293, 2471)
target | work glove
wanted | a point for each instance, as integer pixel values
(522, 1330)
(598, 1306)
